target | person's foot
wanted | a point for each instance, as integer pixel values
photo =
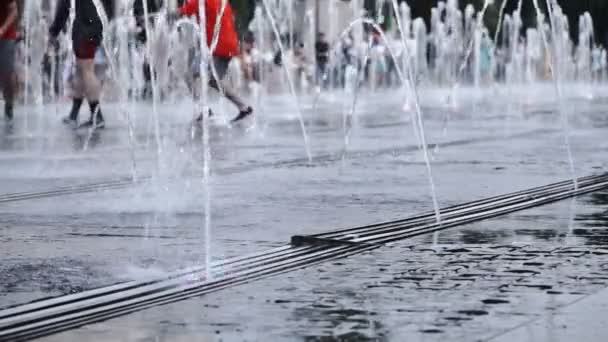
(68, 121)
(199, 118)
(8, 112)
(243, 114)
(90, 124)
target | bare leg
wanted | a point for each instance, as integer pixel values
(92, 86)
(92, 90)
(77, 86)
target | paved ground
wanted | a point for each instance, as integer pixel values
(476, 283)
(584, 320)
(480, 282)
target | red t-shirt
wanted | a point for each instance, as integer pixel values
(228, 41)
(11, 32)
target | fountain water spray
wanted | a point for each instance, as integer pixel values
(204, 107)
(475, 41)
(26, 91)
(347, 125)
(419, 120)
(153, 80)
(258, 88)
(206, 63)
(289, 80)
(500, 19)
(114, 71)
(419, 126)
(554, 68)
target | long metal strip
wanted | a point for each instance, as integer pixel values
(391, 237)
(65, 307)
(71, 298)
(456, 211)
(51, 322)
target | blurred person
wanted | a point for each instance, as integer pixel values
(226, 49)
(485, 55)
(379, 61)
(345, 56)
(248, 57)
(154, 6)
(9, 13)
(596, 63)
(300, 66)
(87, 37)
(322, 58)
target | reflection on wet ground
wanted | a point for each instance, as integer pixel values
(458, 289)
(476, 282)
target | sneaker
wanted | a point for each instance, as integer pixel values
(99, 124)
(68, 121)
(243, 114)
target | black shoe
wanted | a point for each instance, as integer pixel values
(98, 124)
(8, 112)
(243, 114)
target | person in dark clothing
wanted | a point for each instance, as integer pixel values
(8, 39)
(154, 6)
(87, 36)
(322, 58)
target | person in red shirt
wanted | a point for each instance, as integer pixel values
(227, 47)
(9, 13)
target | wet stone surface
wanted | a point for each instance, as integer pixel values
(453, 290)
(474, 283)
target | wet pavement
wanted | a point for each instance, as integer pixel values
(583, 319)
(478, 282)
